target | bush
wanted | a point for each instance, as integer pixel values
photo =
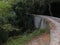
(4, 32)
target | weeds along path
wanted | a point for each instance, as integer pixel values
(41, 40)
(46, 39)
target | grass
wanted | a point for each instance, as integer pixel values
(19, 40)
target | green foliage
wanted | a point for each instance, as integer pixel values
(31, 6)
(8, 27)
(15, 15)
(4, 31)
(5, 25)
(4, 8)
(19, 40)
(26, 7)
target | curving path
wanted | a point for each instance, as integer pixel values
(46, 39)
(54, 31)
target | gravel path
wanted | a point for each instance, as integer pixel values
(54, 36)
(55, 33)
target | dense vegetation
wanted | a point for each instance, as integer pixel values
(16, 18)
(21, 40)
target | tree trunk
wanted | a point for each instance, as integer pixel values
(50, 10)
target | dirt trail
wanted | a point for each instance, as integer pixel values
(46, 39)
(41, 40)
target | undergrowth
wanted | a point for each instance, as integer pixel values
(19, 40)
